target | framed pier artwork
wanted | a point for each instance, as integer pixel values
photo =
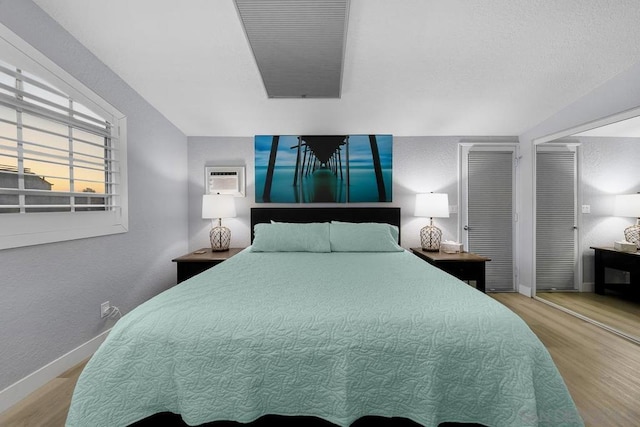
(323, 168)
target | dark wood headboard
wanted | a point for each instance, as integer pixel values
(387, 215)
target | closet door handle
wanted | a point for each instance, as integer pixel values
(466, 228)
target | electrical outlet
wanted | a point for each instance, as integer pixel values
(453, 208)
(586, 209)
(104, 309)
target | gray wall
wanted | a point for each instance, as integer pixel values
(609, 167)
(420, 164)
(51, 294)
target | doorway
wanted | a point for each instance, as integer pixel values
(487, 213)
(558, 265)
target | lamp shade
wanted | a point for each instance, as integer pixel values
(218, 206)
(627, 205)
(433, 205)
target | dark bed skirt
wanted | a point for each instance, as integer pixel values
(173, 420)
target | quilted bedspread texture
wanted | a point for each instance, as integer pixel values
(333, 335)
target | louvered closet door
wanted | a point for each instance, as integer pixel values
(490, 213)
(556, 218)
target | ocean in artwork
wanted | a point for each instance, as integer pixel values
(363, 182)
(363, 185)
(282, 188)
(322, 186)
(356, 170)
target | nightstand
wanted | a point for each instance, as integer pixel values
(463, 265)
(198, 261)
(607, 257)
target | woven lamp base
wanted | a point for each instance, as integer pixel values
(430, 238)
(220, 238)
(632, 234)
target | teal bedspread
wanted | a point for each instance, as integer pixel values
(333, 335)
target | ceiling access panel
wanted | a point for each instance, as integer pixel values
(298, 45)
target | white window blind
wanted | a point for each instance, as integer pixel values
(62, 153)
(490, 214)
(555, 219)
(55, 155)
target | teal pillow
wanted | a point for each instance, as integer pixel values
(395, 231)
(362, 237)
(291, 237)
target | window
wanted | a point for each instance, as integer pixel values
(62, 153)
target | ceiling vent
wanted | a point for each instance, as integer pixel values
(298, 45)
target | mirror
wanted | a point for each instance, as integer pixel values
(577, 179)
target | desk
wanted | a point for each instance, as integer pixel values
(463, 265)
(606, 257)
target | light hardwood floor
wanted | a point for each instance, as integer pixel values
(617, 312)
(601, 370)
(47, 406)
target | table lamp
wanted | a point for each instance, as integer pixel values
(432, 205)
(629, 205)
(218, 206)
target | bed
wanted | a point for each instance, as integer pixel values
(324, 318)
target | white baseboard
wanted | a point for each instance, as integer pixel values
(525, 290)
(24, 387)
(588, 287)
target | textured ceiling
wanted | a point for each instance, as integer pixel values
(411, 67)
